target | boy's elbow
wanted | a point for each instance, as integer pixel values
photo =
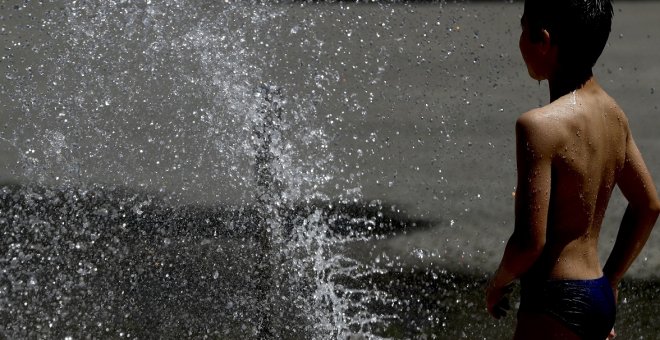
(648, 208)
(655, 207)
(651, 212)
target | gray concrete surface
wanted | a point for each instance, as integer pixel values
(415, 103)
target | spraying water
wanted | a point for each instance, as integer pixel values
(143, 102)
(258, 169)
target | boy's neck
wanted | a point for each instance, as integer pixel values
(565, 82)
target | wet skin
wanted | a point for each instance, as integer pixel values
(570, 155)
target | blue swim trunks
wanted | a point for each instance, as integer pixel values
(586, 307)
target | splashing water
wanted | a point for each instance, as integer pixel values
(228, 169)
(136, 104)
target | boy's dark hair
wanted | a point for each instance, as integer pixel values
(579, 28)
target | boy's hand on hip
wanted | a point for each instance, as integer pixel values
(497, 300)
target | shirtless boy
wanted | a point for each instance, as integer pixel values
(570, 155)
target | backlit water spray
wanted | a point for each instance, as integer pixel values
(275, 169)
(130, 106)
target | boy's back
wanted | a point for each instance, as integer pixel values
(584, 137)
(570, 155)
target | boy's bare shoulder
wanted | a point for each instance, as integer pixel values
(621, 116)
(552, 114)
(560, 121)
(535, 118)
(615, 112)
(539, 127)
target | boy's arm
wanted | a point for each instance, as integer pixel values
(534, 158)
(643, 208)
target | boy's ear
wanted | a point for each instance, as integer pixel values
(546, 43)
